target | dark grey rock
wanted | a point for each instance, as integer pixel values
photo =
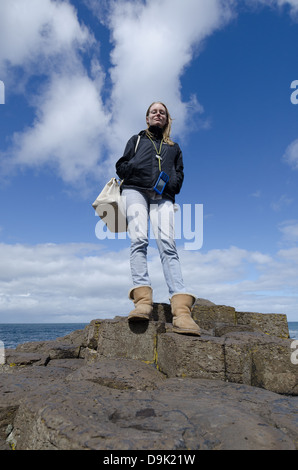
(121, 386)
(128, 405)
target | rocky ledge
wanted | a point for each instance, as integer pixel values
(121, 386)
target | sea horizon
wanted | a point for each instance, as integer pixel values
(14, 334)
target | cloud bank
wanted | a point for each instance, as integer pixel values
(76, 282)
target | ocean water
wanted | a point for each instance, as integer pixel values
(293, 329)
(12, 334)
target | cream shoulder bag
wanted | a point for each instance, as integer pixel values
(110, 205)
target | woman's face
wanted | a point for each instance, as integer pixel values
(157, 116)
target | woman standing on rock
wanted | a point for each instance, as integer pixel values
(152, 173)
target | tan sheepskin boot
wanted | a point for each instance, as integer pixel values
(181, 305)
(142, 298)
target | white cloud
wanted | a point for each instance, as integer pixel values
(45, 40)
(54, 282)
(34, 32)
(289, 229)
(68, 129)
(281, 203)
(153, 45)
(80, 282)
(292, 4)
(73, 127)
(249, 281)
(291, 155)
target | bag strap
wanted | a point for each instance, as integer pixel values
(137, 144)
(136, 148)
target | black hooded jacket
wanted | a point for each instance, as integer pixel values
(140, 169)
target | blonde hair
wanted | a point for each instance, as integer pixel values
(167, 129)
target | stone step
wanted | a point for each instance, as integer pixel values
(244, 348)
(214, 317)
(245, 352)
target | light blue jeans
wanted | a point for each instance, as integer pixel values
(140, 206)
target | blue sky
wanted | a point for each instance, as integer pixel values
(79, 76)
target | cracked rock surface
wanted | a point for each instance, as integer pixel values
(126, 404)
(112, 387)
